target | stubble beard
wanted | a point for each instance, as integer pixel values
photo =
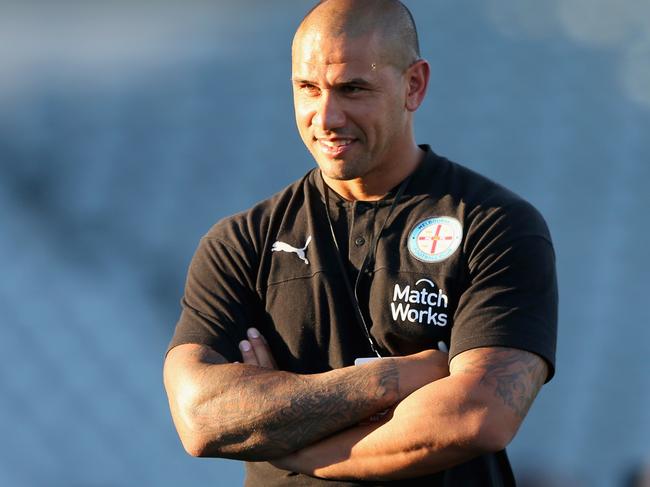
(342, 170)
(353, 166)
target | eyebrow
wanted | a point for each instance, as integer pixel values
(352, 81)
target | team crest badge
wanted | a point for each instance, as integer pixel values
(435, 239)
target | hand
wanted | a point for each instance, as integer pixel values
(256, 351)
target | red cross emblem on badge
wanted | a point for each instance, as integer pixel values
(435, 238)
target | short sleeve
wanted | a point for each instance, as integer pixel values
(219, 301)
(511, 299)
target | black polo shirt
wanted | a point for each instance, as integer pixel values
(460, 263)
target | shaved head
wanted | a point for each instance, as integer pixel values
(387, 20)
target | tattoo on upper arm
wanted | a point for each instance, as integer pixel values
(515, 376)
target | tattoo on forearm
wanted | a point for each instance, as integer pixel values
(514, 375)
(295, 413)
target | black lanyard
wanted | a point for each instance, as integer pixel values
(369, 258)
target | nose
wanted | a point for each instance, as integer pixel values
(329, 112)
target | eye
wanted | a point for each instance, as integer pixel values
(309, 89)
(351, 89)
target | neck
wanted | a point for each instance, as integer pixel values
(374, 186)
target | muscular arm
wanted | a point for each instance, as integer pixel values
(252, 412)
(477, 409)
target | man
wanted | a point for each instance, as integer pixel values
(385, 250)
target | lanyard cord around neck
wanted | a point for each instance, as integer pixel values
(367, 261)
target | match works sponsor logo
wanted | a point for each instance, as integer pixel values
(435, 239)
(423, 303)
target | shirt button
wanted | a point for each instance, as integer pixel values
(359, 241)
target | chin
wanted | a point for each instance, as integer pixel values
(339, 170)
(339, 175)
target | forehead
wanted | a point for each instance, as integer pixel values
(315, 51)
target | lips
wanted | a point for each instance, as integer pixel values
(336, 146)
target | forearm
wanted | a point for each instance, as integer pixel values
(444, 423)
(255, 413)
(407, 444)
(251, 413)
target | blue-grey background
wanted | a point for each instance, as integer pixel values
(127, 128)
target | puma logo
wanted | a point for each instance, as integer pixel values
(285, 247)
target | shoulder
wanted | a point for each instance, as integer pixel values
(488, 206)
(250, 227)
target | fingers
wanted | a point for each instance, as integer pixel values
(247, 353)
(261, 349)
(256, 351)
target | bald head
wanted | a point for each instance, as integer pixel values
(389, 21)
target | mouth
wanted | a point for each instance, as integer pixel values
(334, 147)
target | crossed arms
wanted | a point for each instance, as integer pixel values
(318, 424)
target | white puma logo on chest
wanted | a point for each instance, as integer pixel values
(285, 247)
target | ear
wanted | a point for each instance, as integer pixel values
(417, 81)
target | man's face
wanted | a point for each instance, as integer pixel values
(350, 107)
